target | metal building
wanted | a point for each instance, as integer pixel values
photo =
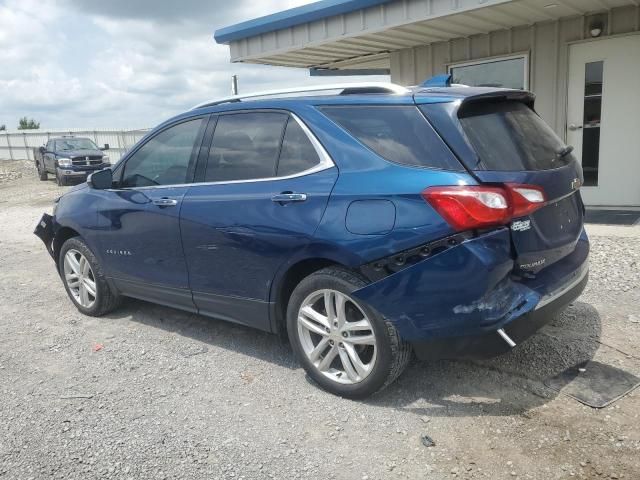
(581, 58)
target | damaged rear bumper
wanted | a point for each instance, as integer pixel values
(490, 344)
(449, 304)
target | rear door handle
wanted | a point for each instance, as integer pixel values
(289, 197)
(165, 202)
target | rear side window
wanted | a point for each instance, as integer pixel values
(399, 134)
(245, 146)
(297, 153)
(509, 136)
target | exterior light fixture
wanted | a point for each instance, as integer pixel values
(595, 29)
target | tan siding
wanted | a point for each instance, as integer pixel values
(546, 43)
(499, 43)
(423, 61)
(459, 49)
(479, 46)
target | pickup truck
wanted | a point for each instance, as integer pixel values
(71, 159)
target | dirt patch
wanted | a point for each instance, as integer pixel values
(174, 395)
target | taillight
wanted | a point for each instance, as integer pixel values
(466, 207)
(525, 199)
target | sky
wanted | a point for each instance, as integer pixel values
(125, 63)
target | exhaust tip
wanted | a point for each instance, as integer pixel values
(506, 337)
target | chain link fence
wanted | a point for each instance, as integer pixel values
(19, 145)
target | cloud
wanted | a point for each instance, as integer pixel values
(213, 13)
(122, 64)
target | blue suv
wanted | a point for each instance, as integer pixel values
(365, 221)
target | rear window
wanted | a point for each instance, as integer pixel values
(297, 153)
(509, 136)
(245, 146)
(399, 134)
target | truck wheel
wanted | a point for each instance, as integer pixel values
(344, 345)
(84, 281)
(42, 172)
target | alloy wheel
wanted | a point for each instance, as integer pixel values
(79, 278)
(337, 336)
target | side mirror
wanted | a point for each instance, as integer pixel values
(106, 147)
(101, 180)
(42, 150)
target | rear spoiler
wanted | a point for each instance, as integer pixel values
(441, 85)
(528, 98)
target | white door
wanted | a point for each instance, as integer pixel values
(603, 118)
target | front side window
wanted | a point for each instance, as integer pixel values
(245, 146)
(163, 160)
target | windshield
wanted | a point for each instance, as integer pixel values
(75, 144)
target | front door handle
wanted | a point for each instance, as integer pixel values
(165, 202)
(573, 127)
(288, 197)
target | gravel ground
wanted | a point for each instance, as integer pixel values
(150, 392)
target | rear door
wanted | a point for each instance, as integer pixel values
(257, 203)
(510, 143)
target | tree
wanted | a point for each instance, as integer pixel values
(3, 127)
(28, 124)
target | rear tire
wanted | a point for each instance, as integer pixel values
(42, 172)
(84, 281)
(352, 354)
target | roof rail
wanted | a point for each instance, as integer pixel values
(345, 88)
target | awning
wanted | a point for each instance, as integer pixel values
(361, 33)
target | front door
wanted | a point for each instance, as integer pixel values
(49, 157)
(603, 123)
(139, 219)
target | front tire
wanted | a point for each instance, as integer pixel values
(60, 180)
(83, 279)
(345, 346)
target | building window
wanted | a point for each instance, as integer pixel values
(503, 72)
(594, 74)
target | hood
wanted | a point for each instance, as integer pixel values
(89, 152)
(75, 188)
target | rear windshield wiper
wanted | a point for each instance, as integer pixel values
(564, 151)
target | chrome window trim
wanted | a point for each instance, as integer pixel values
(326, 162)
